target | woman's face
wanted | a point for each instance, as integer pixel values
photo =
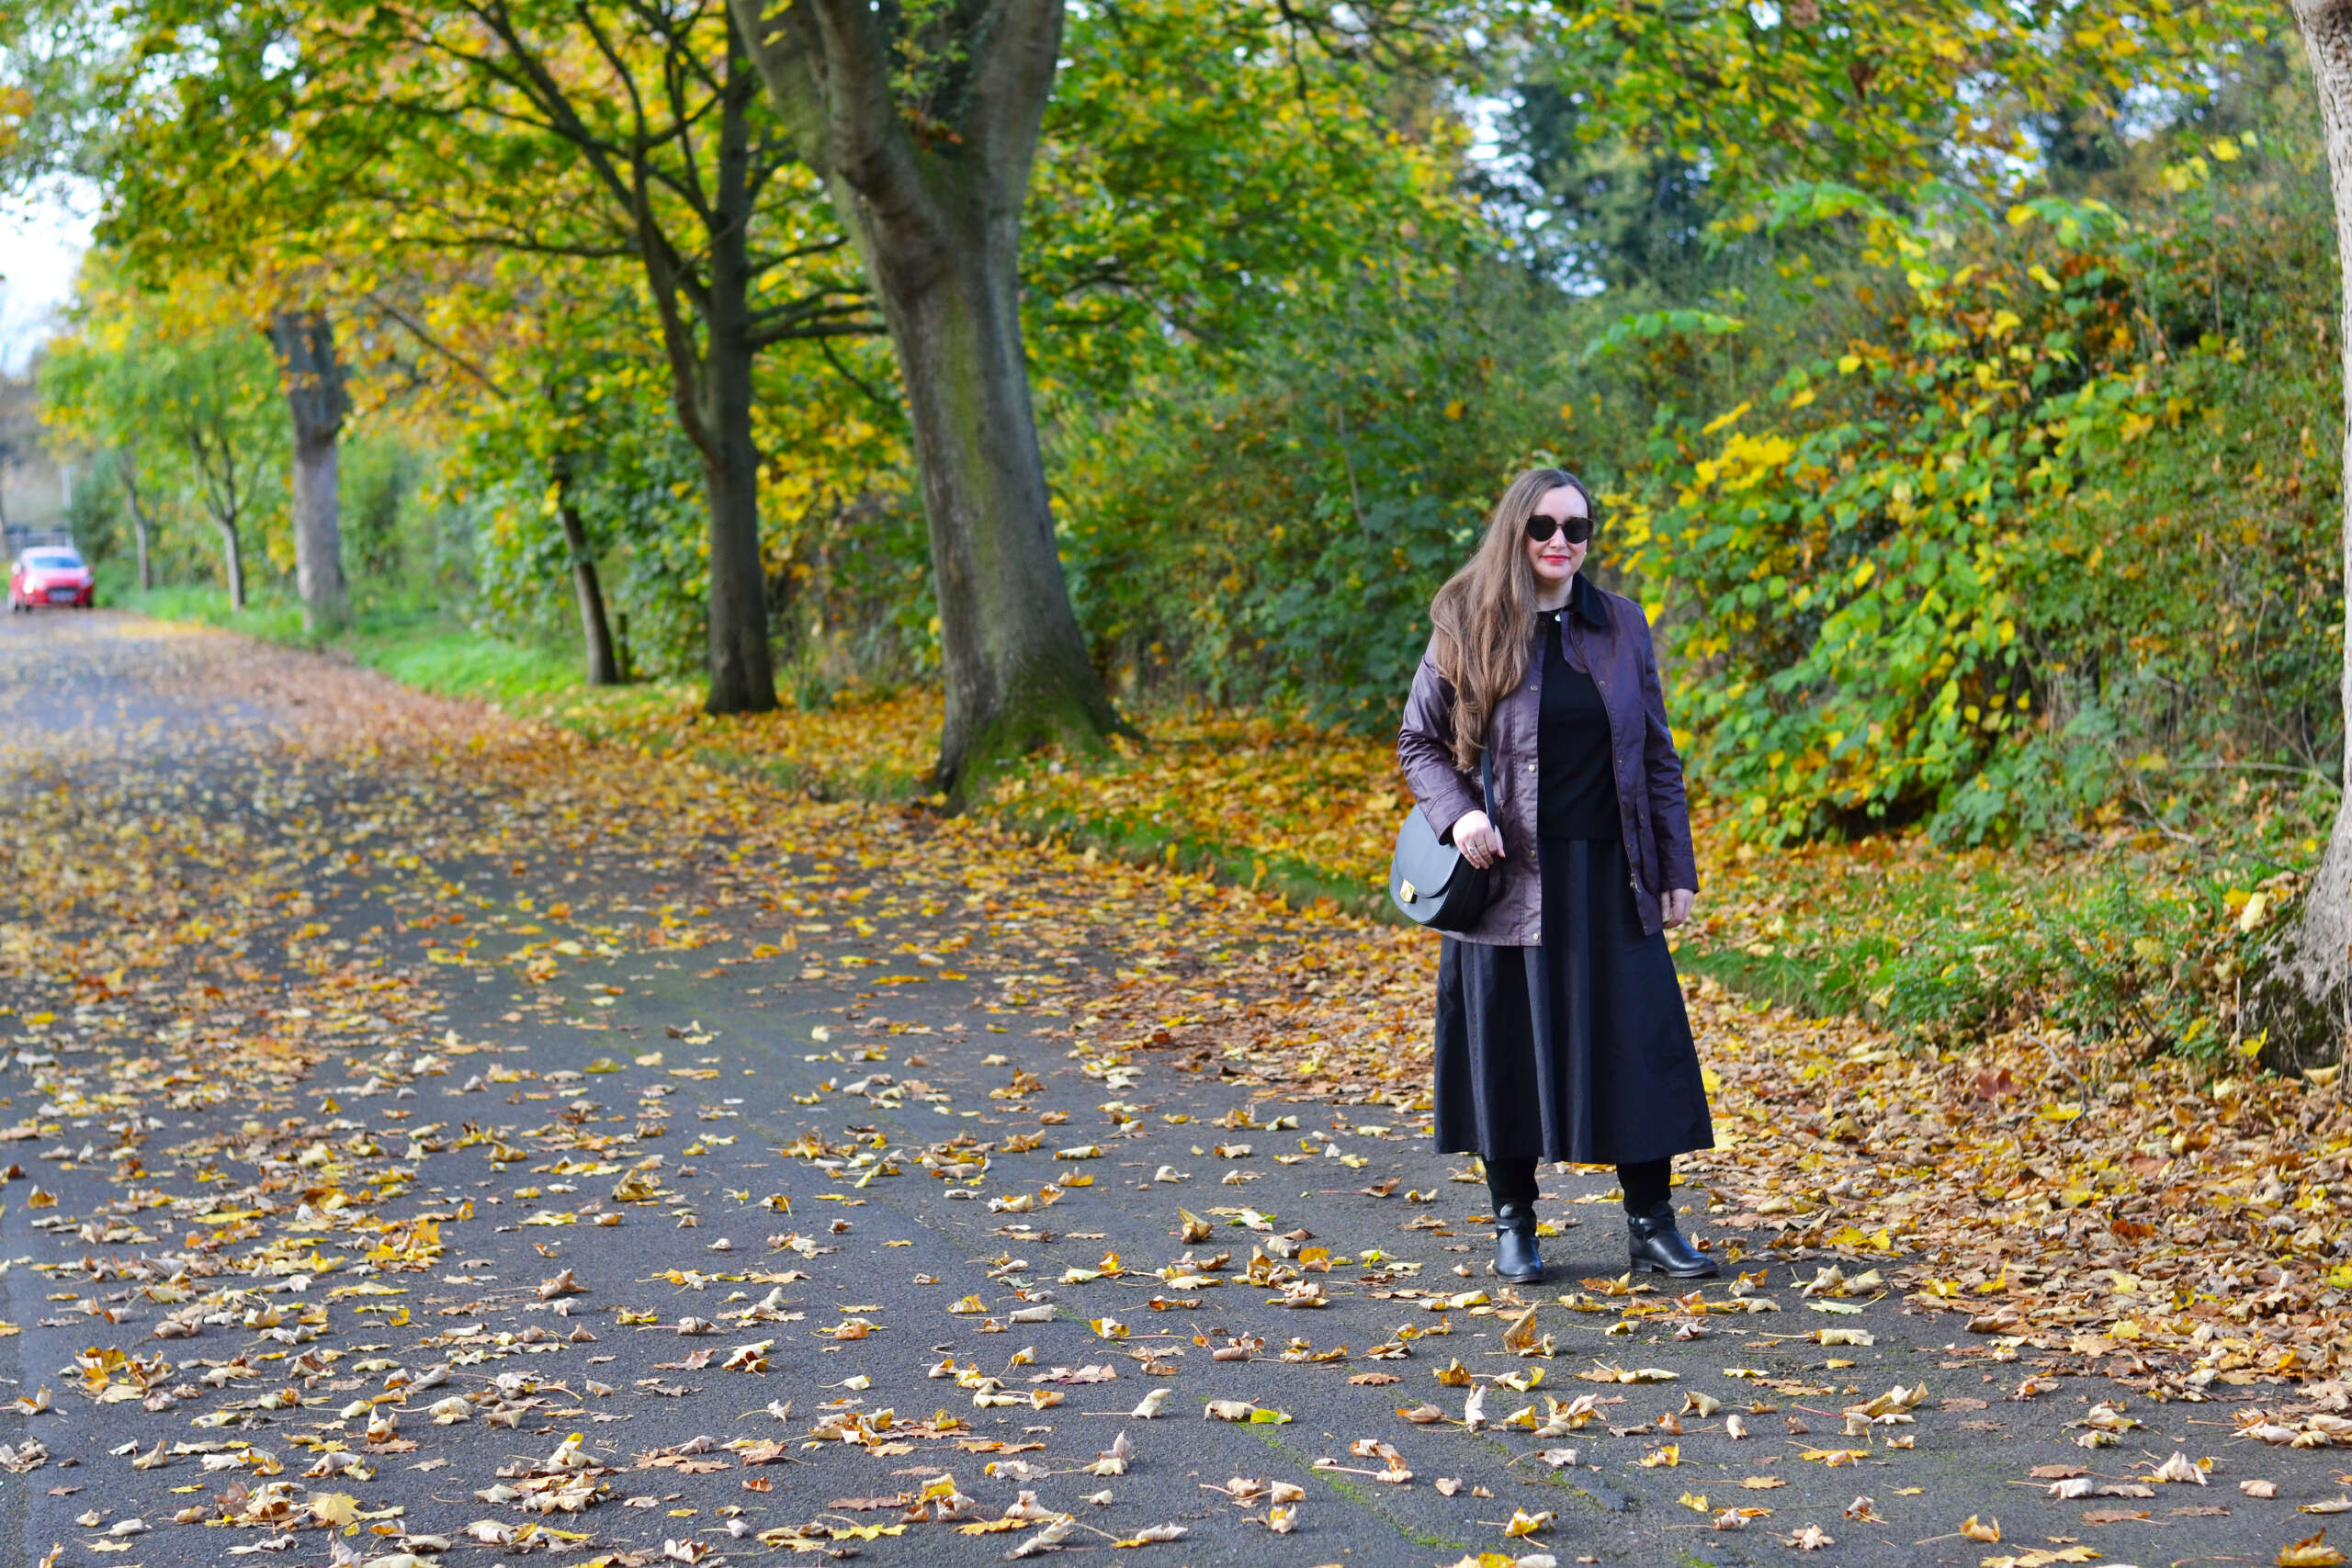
(1555, 560)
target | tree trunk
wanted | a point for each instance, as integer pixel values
(304, 340)
(129, 468)
(1016, 666)
(2298, 996)
(710, 383)
(938, 222)
(595, 633)
(742, 670)
(232, 555)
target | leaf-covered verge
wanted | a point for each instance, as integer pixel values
(2129, 931)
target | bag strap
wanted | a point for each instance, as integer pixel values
(1486, 782)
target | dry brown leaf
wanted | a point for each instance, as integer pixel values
(2311, 1551)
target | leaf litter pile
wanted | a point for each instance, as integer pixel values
(261, 1179)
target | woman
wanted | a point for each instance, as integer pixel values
(1560, 1029)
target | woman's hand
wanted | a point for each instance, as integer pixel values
(1676, 907)
(1476, 839)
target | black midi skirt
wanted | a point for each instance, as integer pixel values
(1577, 1050)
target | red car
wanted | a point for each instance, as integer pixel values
(50, 574)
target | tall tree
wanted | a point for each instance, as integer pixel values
(68, 70)
(313, 376)
(615, 130)
(923, 123)
(184, 394)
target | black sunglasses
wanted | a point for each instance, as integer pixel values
(1578, 529)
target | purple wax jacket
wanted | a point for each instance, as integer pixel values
(1607, 635)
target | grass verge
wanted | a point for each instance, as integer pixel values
(415, 648)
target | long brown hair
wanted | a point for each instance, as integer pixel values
(1481, 616)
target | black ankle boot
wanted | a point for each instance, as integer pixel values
(1657, 1247)
(1516, 1258)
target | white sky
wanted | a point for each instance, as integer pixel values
(41, 241)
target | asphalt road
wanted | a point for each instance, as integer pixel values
(832, 1152)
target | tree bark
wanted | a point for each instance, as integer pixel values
(742, 667)
(596, 633)
(1015, 664)
(233, 554)
(128, 467)
(937, 219)
(304, 340)
(2298, 998)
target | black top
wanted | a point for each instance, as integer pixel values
(1576, 788)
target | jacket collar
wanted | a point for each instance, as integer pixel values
(1586, 603)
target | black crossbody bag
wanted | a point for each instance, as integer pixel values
(1434, 883)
